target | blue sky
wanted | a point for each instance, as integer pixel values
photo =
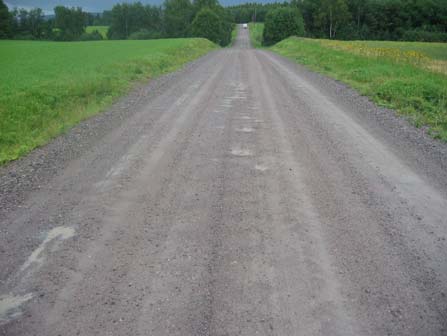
(90, 6)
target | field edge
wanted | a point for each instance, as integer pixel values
(86, 98)
(418, 95)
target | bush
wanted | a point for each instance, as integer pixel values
(24, 37)
(145, 34)
(93, 36)
(209, 25)
(206, 24)
(5, 21)
(281, 23)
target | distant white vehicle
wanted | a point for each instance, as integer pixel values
(245, 26)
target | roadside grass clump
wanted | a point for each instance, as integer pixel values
(233, 35)
(48, 87)
(398, 78)
(101, 29)
(256, 30)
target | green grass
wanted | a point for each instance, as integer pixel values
(414, 89)
(233, 35)
(47, 87)
(101, 29)
(255, 30)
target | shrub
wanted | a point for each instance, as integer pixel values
(281, 23)
(208, 24)
(93, 36)
(424, 36)
(5, 21)
(24, 37)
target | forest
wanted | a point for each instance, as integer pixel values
(176, 18)
(405, 20)
(402, 20)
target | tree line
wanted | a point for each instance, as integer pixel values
(67, 24)
(407, 20)
(175, 18)
(253, 12)
(411, 20)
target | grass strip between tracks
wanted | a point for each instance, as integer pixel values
(48, 87)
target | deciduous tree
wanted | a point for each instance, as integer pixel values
(70, 22)
(207, 24)
(282, 23)
(331, 15)
(178, 15)
(5, 21)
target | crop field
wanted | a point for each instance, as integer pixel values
(430, 56)
(432, 50)
(410, 77)
(101, 29)
(48, 87)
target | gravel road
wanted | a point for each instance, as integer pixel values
(242, 195)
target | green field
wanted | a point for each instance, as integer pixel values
(255, 30)
(101, 29)
(47, 87)
(410, 77)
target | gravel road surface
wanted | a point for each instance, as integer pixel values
(242, 195)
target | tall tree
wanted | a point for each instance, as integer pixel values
(178, 15)
(126, 19)
(357, 8)
(207, 24)
(331, 15)
(5, 21)
(199, 4)
(36, 22)
(70, 21)
(282, 23)
(121, 21)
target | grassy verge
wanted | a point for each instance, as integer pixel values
(101, 29)
(48, 87)
(255, 30)
(233, 35)
(397, 75)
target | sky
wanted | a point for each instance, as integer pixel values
(89, 5)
